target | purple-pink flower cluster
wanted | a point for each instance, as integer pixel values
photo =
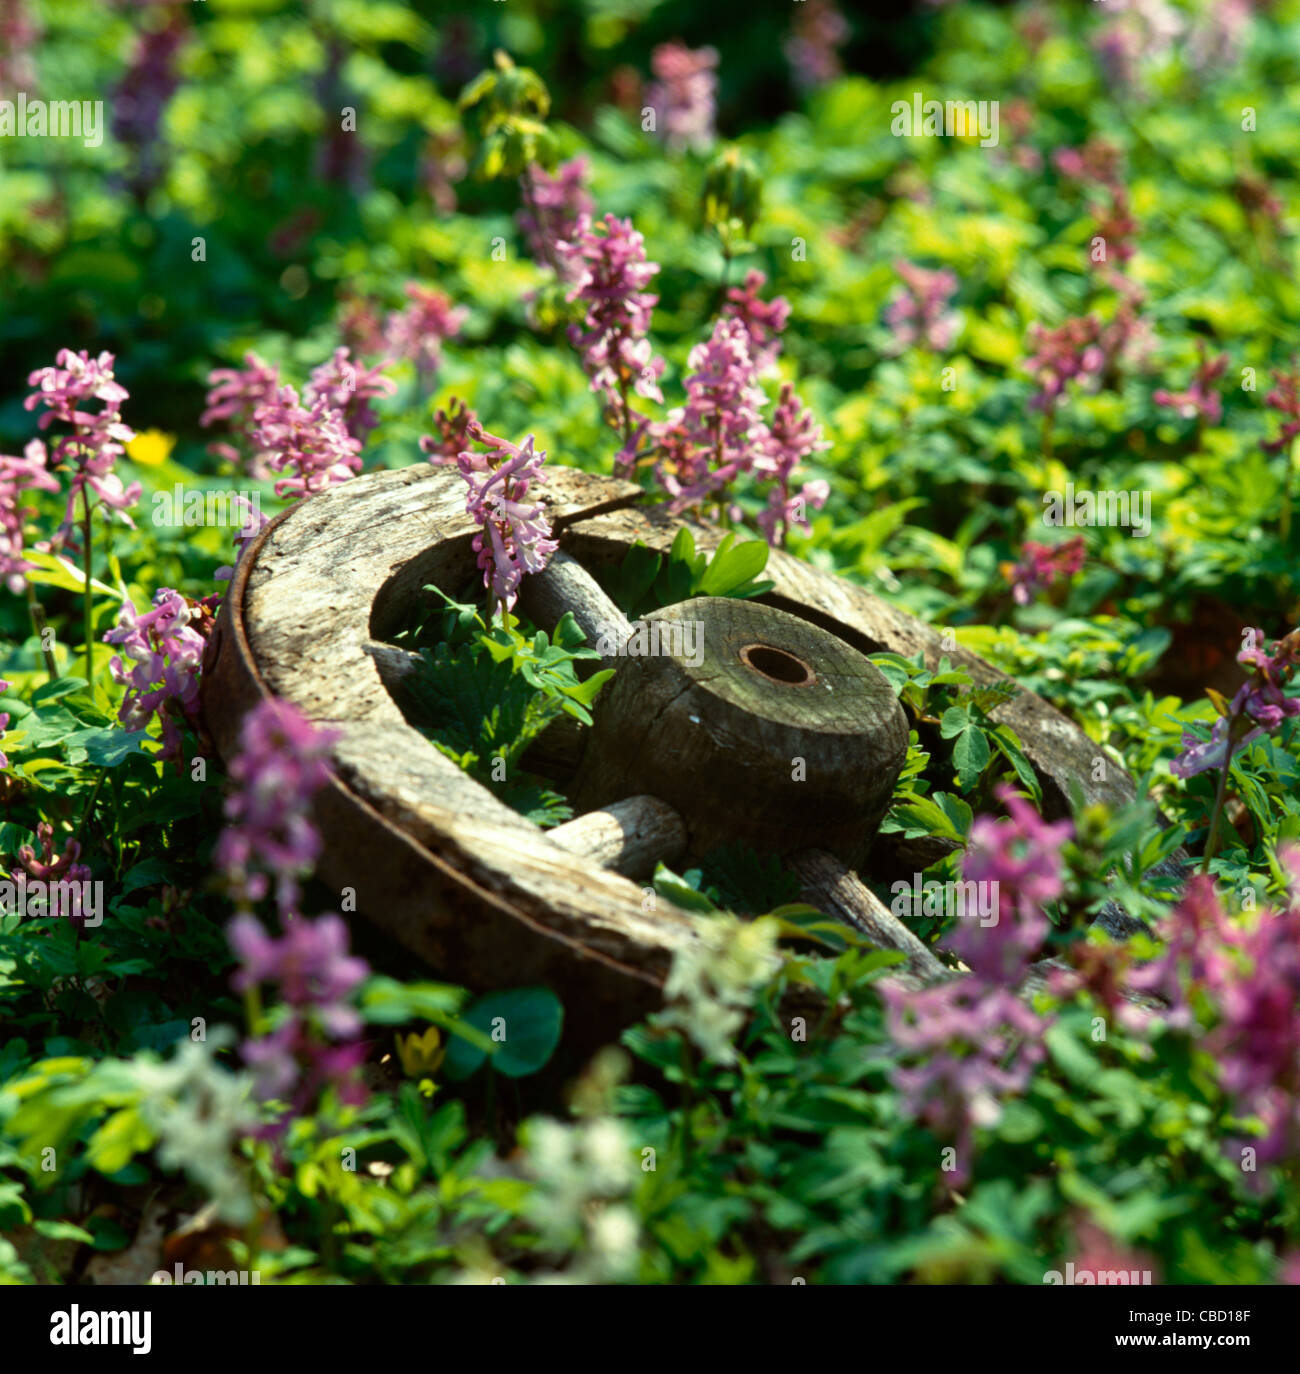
(919, 312)
(683, 94)
(516, 536)
(818, 30)
(1201, 400)
(764, 321)
(1285, 399)
(609, 277)
(166, 653)
(972, 1045)
(315, 1045)
(1251, 975)
(97, 438)
(348, 387)
(18, 35)
(282, 762)
(456, 426)
(1258, 708)
(1072, 351)
(141, 96)
(235, 395)
(1020, 859)
(554, 207)
(718, 434)
(1043, 564)
(310, 444)
(417, 332)
(16, 476)
(792, 438)
(53, 867)
(4, 724)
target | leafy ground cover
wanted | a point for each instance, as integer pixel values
(316, 241)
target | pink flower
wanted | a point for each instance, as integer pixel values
(1201, 400)
(1022, 856)
(4, 723)
(1285, 399)
(972, 1046)
(1099, 1254)
(1097, 161)
(1258, 708)
(16, 476)
(610, 279)
(764, 321)
(553, 209)
(1116, 227)
(349, 387)
(516, 536)
(418, 331)
(18, 35)
(818, 30)
(142, 95)
(1140, 29)
(719, 433)
(282, 762)
(683, 94)
(1198, 934)
(1072, 350)
(1251, 976)
(1219, 35)
(793, 437)
(456, 427)
(1042, 565)
(919, 312)
(235, 394)
(56, 868)
(315, 976)
(312, 445)
(98, 437)
(166, 652)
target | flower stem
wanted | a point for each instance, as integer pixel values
(88, 814)
(87, 621)
(1212, 839)
(38, 624)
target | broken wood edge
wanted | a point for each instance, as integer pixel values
(630, 837)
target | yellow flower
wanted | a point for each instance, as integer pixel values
(421, 1054)
(151, 447)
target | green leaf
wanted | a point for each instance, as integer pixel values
(523, 1026)
(60, 687)
(50, 727)
(953, 721)
(731, 568)
(970, 756)
(1004, 737)
(105, 748)
(677, 890)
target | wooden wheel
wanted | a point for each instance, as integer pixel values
(482, 895)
